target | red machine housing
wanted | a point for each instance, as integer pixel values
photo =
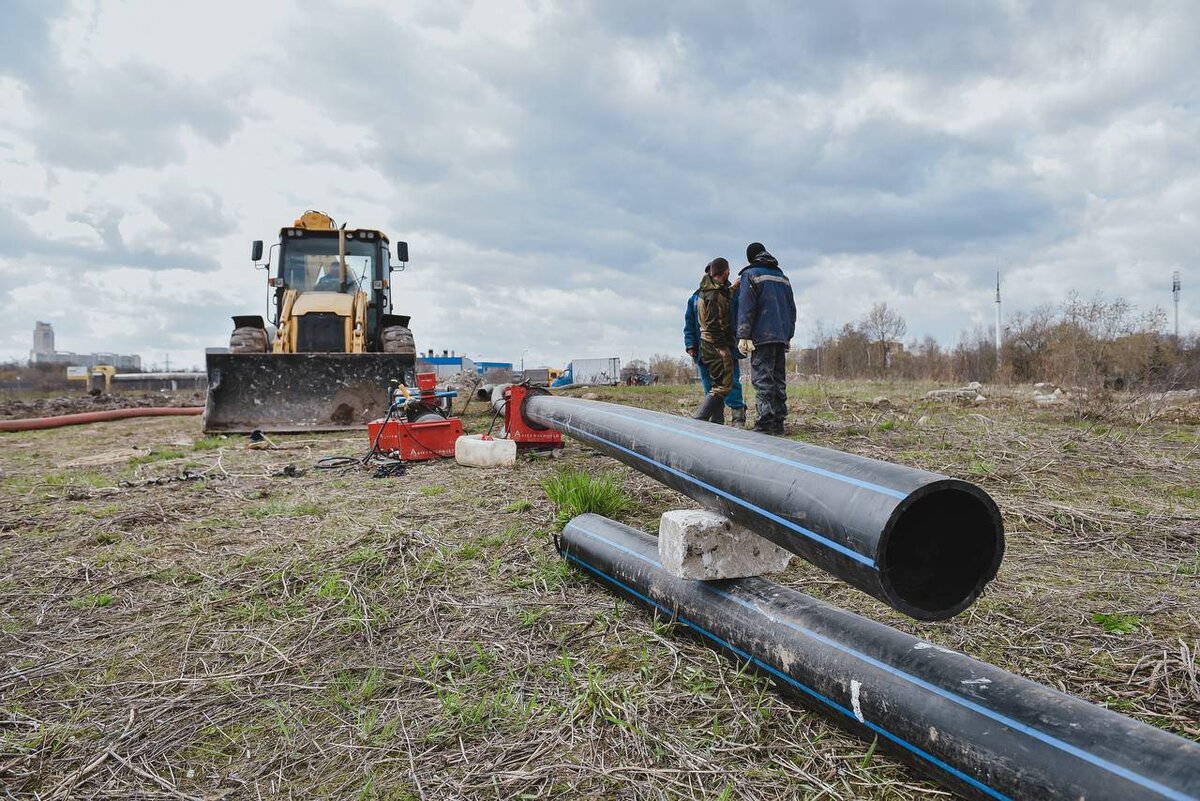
(426, 382)
(519, 431)
(429, 437)
(416, 442)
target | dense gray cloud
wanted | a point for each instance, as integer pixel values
(25, 37)
(130, 114)
(562, 171)
(98, 117)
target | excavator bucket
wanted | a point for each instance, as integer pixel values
(300, 391)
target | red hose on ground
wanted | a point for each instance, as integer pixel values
(33, 423)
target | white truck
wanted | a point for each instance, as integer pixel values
(593, 372)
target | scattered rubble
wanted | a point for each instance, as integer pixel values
(1046, 393)
(971, 392)
(464, 382)
(1175, 396)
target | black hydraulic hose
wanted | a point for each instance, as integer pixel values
(983, 732)
(921, 542)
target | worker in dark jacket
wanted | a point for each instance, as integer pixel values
(716, 339)
(691, 343)
(766, 323)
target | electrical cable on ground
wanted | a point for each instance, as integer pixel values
(385, 469)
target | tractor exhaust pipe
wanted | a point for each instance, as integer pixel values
(983, 732)
(342, 256)
(923, 543)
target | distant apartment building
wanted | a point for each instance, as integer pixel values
(43, 338)
(44, 353)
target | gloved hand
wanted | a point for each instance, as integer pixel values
(746, 346)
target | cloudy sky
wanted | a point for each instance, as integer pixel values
(563, 170)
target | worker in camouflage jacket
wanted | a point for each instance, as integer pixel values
(716, 339)
(765, 326)
(691, 343)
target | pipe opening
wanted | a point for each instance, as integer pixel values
(941, 551)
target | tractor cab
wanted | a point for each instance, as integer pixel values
(316, 256)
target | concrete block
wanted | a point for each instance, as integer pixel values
(698, 544)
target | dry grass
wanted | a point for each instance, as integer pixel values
(189, 620)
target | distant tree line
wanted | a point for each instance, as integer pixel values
(1081, 342)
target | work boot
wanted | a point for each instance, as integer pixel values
(705, 412)
(737, 417)
(718, 413)
(765, 427)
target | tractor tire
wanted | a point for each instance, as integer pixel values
(248, 340)
(398, 339)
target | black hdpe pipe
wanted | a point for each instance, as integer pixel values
(921, 542)
(979, 730)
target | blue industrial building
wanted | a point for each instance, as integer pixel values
(483, 367)
(450, 364)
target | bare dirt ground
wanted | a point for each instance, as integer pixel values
(78, 402)
(186, 617)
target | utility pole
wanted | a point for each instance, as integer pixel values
(1176, 286)
(167, 360)
(997, 323)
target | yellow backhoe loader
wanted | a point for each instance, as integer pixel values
(333, 346)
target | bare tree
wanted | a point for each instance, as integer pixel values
(884, 327)
(672, 369)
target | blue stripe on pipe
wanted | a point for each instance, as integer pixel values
(828, 543)
(1025, 729)
(820, 471)
(917, 750)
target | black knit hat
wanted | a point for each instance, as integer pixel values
(753, 249)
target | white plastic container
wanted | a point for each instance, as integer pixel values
(475, 451)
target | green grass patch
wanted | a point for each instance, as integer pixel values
(1116, 623)
(92, 601)
(469, 550)
(366, 555)
(522, 505)
(156, 456)
(105, 538)
(1191, 568)
(577, 492)
(548, 573)
(507, 536)
(68, 478)
(104, 511)
(208, 443)
(1186, 493)
(276, 509)
(981, 467)
(351, 689)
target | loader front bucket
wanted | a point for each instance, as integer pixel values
(300, 391)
